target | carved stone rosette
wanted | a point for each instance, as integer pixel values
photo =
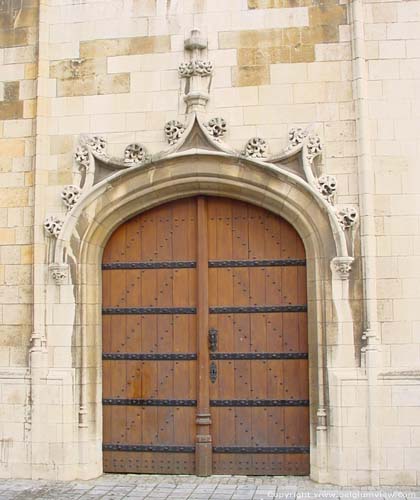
(59, 273)
(327, 185)
(70, 195)
(256, 148)
(347, 217)
(81, 156)
(217, 127)
(173, 131)
(296, 137)
(314, 147)
(341, 267)
(134, 153)
(53, 225)
(97, 144)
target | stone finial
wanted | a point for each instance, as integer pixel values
(53, 225)
(59, 273)
(347, 217)
(341, 267)
(194, 71)
(70, 195)
(217, 127)
(256, 148)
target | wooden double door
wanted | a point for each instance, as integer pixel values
(205, 358)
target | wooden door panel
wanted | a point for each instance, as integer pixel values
(149, 342)
(257, 302)
(257, 297)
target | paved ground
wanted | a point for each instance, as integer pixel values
(132, 487)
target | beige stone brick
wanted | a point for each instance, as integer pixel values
(392, 49)
(101, 84)
(246, 76)
(403, 31)
(125, 46)
(384, 13)
(384, 69)
(310, 92)
(146, 81)
(396, 332)
(7, 236)
(288, 73)
(13, 197)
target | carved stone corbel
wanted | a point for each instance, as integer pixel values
(341, 267)
(59, 273)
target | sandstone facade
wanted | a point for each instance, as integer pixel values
(346, 71)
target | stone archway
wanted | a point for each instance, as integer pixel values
(129, 192)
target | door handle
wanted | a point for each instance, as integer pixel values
(213, 339)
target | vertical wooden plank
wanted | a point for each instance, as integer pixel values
(221, 241)
(203, 437)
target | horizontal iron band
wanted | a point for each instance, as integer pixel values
(258, 355)
(257, 263)
(149, 310)
(149, 402)
(148, 357)
(259, 402)
(150, 265)
(257, 309)
(261, 449)
(149, 448)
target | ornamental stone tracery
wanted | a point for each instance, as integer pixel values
(95, 165)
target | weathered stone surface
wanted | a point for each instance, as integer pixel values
(125, 46)
(95, 85)
(246, 76)
(282, 45)
(11, 110)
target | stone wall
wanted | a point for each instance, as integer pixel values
(18, 73)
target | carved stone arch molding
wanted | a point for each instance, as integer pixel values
(110, 190)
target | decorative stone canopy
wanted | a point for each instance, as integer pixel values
(197, 138)
(200, 139)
